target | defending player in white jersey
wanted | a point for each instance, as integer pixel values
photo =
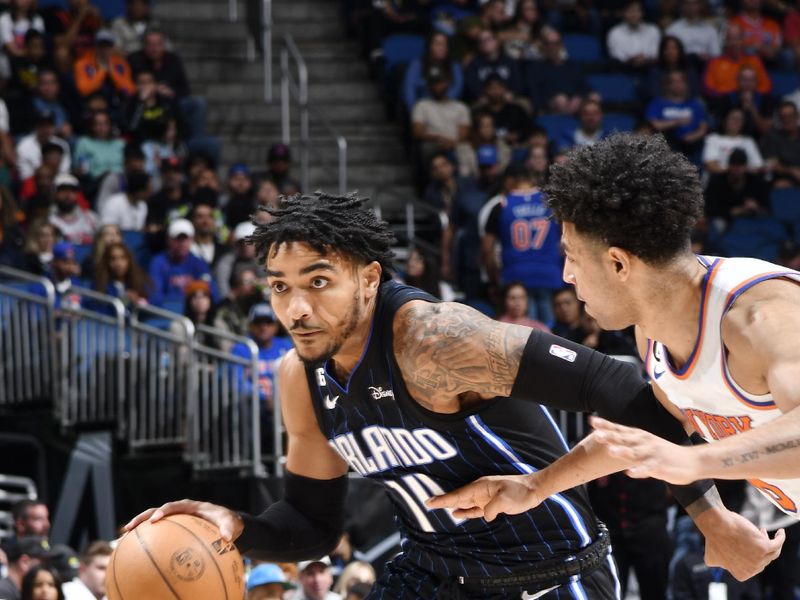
(720, 337)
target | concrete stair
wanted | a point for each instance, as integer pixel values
(215, 52)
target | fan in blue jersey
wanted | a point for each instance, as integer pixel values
(422, 397)
(522, 224)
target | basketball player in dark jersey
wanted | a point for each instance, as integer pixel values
(424, 397)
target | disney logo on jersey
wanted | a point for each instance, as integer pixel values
(378, 393)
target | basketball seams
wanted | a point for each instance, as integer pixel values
(210, 555)
(152, 560)
(116, 579)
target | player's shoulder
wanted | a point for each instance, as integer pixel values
(763, 311)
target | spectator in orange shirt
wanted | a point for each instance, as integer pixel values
(722, 72)
(104, 70)
(761, 36)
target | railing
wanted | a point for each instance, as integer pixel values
(385, 199)
(27, 331)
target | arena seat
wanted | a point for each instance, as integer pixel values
(757, 237)
(82, 251)
(555, 125)
(614, 88)
(785, 204)
(583, 48)
(619, 122)
(784, 82)
(401, 49)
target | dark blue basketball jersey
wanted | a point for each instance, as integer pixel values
(378, 428)
(530, 240)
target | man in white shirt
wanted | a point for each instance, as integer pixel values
(316, 581)
(77, 224)
(439, 123)
(128, 210)
(90, 584)
(633, 42)
(698, 35)
(29, 148)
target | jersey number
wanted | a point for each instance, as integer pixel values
(529, 234)
(776, 493)
(414, 491)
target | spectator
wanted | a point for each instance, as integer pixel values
(567, 311)
(516, 307)
(46, 100)
(40, 184)
(42, 583)
(40, 240)
(29, 148)
(106, 235)
(354, 573)
(198, 305)
(239, 203)
(66, 564)
(722, 72)
(437, 52)
(718, 146)
(735, 192)
(26, 67)
(698, 34)
(483, 143)
(76, 224)
(31, 517)
(232, 312)
(267, 582)
(15, 23)
(72, 30)
(279, 159)
(358, 591)
(761, 36)
(64, 269)
(206, 245)
(781, 147)
(169, 199)
(489, 61)
(511, 120)
(128, 209)
(24, 554)
(589, 130)
(113, 182)
(538, 162)
(442, 183)
(555, 84)
(91, 581)
(521, 224)
(681, 118)
(316, 581)
(105, 70)
(148, 113)
(118, 274)
(100, 152)
(671, 57)
(242, 255)
(758, 108)
(494, 16)
(521, 37)
(267, 196)
(423, 272)
(130, 28)
(439, 123)
(172, 270)
(12, 240)
(633, 42)
(168, 146)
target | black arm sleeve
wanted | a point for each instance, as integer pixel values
(563, 375)
(305, 525)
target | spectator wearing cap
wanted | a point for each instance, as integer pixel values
(316, 581)
(23, 553)
(29, 148)
(267, 581)
(439, 123)
(555, 84)
(90, 584)
(735, 192)
(206, 244)
(232, 312)
(128, 29)
(279, 159)
(47, 100)
(240, 255)
(172, 270)
(589, 130)
(67, 563)
(437, 52)
(490, 60)
(633, 42)
(484, 146)
(76, 224)
(128, 209)
(100, 151)
(511, 121)
(64, 269)
(113, 183)
(239, 202)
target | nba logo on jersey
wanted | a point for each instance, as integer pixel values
(563, 353)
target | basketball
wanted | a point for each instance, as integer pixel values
(179, 557)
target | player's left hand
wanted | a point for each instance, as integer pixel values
(490, 496)
(653, 456)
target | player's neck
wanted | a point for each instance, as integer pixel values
(672, 309)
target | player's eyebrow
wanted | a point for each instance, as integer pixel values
(317, 266)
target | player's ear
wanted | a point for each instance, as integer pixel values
(371, 278)
(621, 262)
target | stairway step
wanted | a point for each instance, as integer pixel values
(201, 70)
(358, 151)
(319, 94)
(217, 10)
(257, 112)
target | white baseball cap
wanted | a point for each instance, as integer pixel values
(180, 227)
(303, 565)
(243, 230)
(66, 180)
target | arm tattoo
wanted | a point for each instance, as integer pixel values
(731, 461)
(449, 349)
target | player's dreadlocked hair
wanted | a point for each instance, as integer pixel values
(629, 191)
(327, 223)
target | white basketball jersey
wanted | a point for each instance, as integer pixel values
(703, 388)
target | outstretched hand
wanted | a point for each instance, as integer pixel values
(229, 522)
(490, 496)
(651, 455)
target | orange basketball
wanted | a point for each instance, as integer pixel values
(180, 557)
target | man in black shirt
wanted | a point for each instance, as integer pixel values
(512, 122)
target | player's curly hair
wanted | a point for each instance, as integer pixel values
(327, 223)
(629, 191)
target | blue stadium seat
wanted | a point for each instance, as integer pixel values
(784, 82)
(133, 240)
(785, 204)
(757, 237)
(401, 49)
(614, 87)
(82, 251)
(518, 155)
(556, 124)
(619, 122)
(173, 303)
(583, 48)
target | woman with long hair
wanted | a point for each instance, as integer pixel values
(671, 57)
(107, 235)
(40, 238)
(422, 272)
(515, 307)
(484, 144)
(119, 275)
(437, 54)
(718, 146)
(522, 37)
(41, 583)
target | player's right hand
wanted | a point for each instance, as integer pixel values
(229, 522)
(490, 496)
